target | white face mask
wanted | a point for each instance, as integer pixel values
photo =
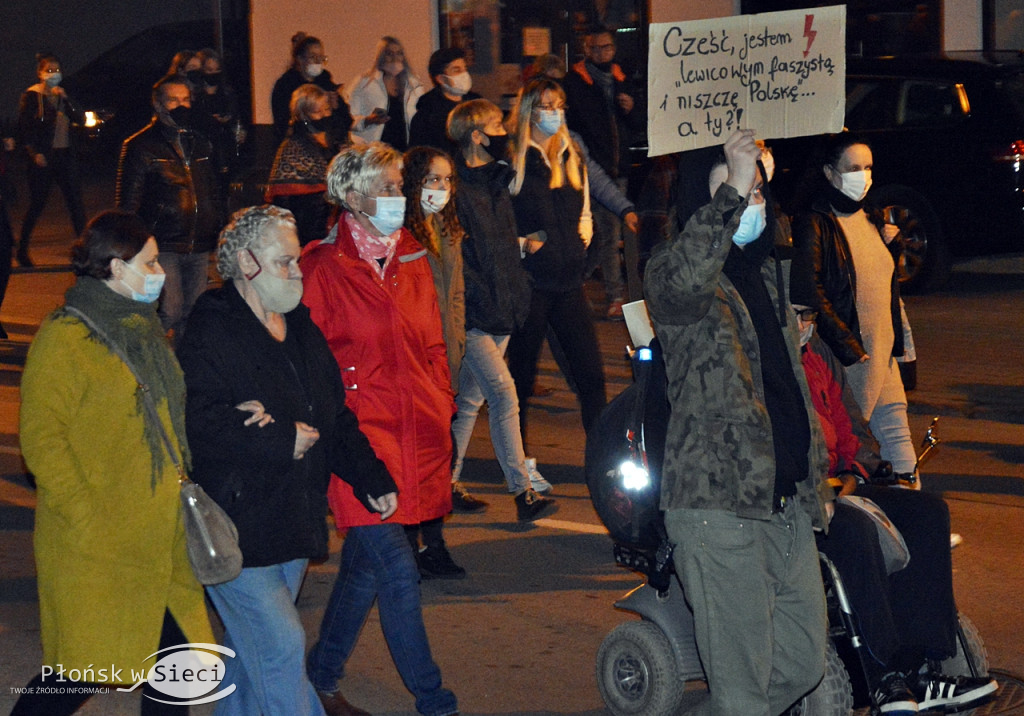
(806, 333)
(278, 294)
(752, 223)
(393, 68)
(856, 184)
(314, 70)
(390, 214)
(433, 200)
(459, 84)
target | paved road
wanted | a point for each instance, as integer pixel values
(520, 634)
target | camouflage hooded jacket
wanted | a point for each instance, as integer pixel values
(719, 453)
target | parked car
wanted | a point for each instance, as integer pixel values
(947, 134)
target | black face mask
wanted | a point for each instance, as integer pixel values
(212, 79)
(181, 116)
(318, 125)
(498, 147)
(194, 76)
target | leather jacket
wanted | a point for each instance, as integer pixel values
(824, 277)
(168, 178)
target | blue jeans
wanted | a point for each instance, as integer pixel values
(186, 280)
(263, 628)
(377, 563)
(485, 376)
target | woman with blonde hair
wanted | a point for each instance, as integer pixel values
(551, 198)
(383, 99)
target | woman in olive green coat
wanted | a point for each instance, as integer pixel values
(115, 584)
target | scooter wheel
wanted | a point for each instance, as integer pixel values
(636, 671)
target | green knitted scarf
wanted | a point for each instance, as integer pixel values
(135, 328)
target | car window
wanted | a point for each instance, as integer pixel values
(1013, 91)
(870, 104)
(931, 104)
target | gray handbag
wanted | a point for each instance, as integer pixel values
(211, 538)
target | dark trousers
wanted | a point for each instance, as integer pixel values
(49, 704)
(910, 615)
(61, 167)
(568, 315)
(6, 246)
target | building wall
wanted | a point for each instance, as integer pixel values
(961, 20)
(349, 30)
(682, 10)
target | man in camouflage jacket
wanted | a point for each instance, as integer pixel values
(740, 520)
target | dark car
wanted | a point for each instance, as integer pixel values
(947, 135)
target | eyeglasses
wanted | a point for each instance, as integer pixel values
(549, 107)
(807, 315)
(603, 48)
(756, 195)
(317, 59)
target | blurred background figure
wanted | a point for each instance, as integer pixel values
(309, 60)
(6, 234)
(452, 85)
(383, 100)
(188, 65)
(45, 118)
(217, 114)
(298, 178)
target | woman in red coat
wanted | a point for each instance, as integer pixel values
(369, 288)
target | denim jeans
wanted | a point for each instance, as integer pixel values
(377, 563)
(186, 280)
(604, 252)
(263, 628)
(485, 376)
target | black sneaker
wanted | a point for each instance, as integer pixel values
(894, 697)
(951, 693)
(530, 505)
(464, 502)
(436, 563)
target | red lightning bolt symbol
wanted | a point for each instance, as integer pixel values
(809, 33)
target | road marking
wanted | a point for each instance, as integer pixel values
(571, 526)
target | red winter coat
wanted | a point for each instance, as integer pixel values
(386, 336)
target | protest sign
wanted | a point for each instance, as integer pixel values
(780, 73)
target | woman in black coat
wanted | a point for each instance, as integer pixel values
(266, 410)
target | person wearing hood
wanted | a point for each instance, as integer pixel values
(744, 474)
(845, 267)
(452, 85)
(166, 175)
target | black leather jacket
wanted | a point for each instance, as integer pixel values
(37, 119)
(824, 277)
(168, 178)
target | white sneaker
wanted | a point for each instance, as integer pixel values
(537, 481)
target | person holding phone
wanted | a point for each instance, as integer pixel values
(383, 99)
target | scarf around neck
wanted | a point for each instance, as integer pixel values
(134, 327)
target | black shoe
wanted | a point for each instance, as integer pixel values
(893, 697)
(3, 334)
(951, 693)
(530, 505)
(23, 259)
(435, 562)
(464, 502)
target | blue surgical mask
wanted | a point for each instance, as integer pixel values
(152, 285)
(752, 224)
(551, 120)
(54, 79)
(390, 214)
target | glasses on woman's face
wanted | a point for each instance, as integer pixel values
(316, 59)
(807, 315)
(547, 107)
(436, 181)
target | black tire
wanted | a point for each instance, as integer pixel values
(636, 671)
(925, 264)
(977, 655)
(834, 695)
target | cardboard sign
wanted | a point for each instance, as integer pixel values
(780, 73)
